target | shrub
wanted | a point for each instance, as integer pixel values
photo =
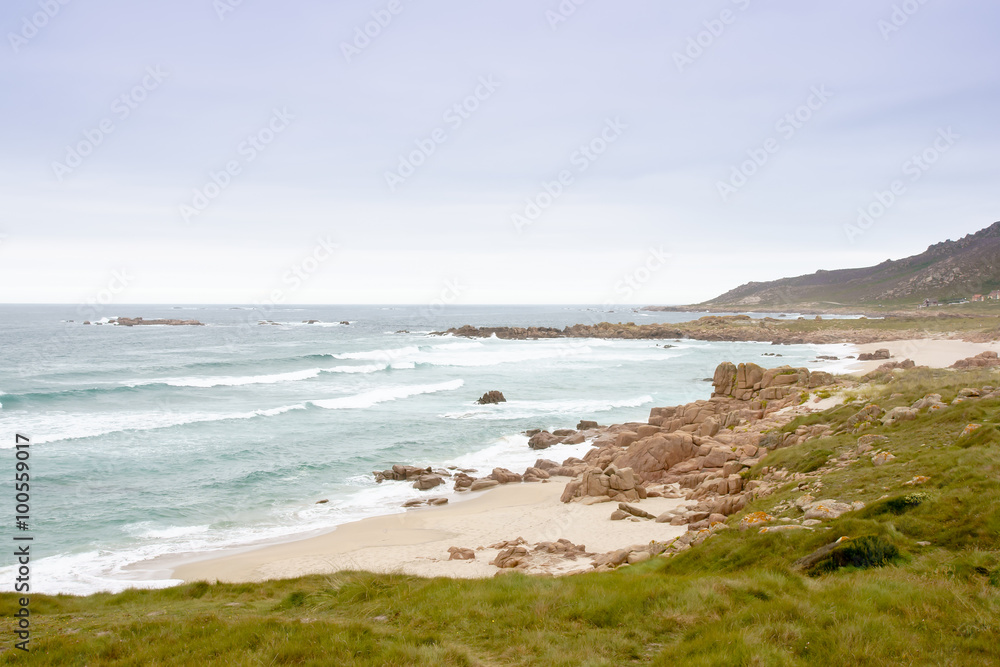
(862, 552)
(896, 504)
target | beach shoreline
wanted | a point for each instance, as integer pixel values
(416, 541)
(940, 352)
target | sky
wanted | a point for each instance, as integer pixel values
(524, 151)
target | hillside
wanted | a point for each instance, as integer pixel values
(947, 270)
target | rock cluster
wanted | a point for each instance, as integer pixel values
(516, 554)
(750, 382)
(138, 321)
(420, 502)
(612, 482)
(401, 473)
(544, 439)
(987, 359)
(881, 353)
(491, 398)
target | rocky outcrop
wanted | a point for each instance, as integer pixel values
(463, 481)
(750, 382)
(612, 483)
(401, 473)
(138, 321)
(491, 398)
(881, 353)
(544, 440)
(986, 359)
(653, 457)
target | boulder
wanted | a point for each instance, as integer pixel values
(483, 484)
(825, 510)
(612, 558)
(505, 476)
(586, 425)
(880, 458)
(535, 475)
(930, 401)
(562, 547)
(460, 553)
(820, 379)
(881, 353)
(463, 481)
(652, 457)
(491, 398)
(512, 557)
(545, 464)
(638, 557)
(898, 415)
(635, 511)
(543, 440)
(869, 413)
(612, 482)
(425, 482)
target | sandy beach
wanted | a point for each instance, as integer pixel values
(933, 352)
(416, 542)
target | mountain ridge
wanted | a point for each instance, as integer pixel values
(946, 270)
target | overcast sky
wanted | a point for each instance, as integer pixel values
(524, 151)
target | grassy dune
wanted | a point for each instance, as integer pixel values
(736, 599)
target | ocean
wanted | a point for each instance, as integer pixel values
(156, 441)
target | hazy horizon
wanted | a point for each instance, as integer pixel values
(555, 153)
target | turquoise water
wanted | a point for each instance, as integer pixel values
(152, 441)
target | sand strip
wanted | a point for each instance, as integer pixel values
(933, 352)
(416, 542)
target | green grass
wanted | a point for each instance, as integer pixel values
(881, 597)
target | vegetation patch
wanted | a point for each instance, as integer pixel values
(860, 553)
